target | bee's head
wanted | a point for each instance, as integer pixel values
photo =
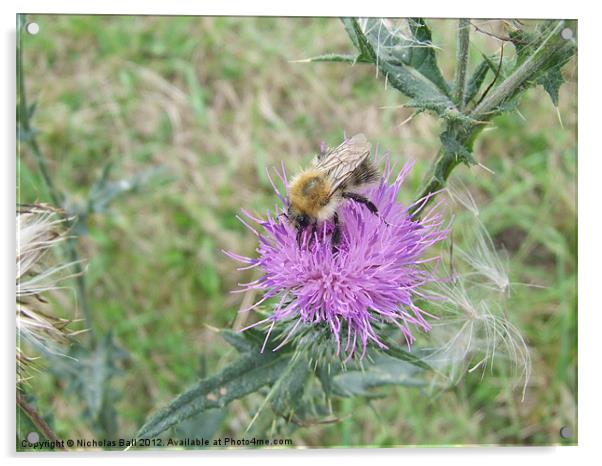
(297, 218)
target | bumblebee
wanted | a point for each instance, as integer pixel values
(335, 176)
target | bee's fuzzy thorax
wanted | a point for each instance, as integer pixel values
(309, 192)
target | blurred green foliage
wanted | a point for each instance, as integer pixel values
(215, 101)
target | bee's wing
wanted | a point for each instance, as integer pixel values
(339, 163)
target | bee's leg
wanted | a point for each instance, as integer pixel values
(362, 200)
(314, 229)
(300, 235)
(336, 234)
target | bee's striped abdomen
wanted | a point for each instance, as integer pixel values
(366, 173)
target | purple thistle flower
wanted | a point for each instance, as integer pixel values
(372, 279)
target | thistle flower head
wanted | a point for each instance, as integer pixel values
(39, 229)
(371, 281)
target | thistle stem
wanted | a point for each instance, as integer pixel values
(25, 126)
(534, 63)
(445, 162)
(441, 168)
(39, 422)
(462, 63)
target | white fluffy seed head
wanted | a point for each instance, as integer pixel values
(39, 229)
(473, 332)
(461, 196)
(487, 264)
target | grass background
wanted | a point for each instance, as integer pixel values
(215, 101)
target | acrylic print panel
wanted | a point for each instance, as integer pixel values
(239, 232)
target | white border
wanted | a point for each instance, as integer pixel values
(590, 226)
(439, 8)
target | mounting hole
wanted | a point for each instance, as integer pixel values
(33, 437)
(565, 432)
(32, 28)
(566, 33)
